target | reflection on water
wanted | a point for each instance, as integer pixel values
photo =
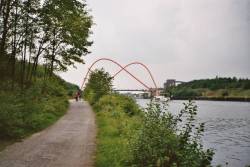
(227, 129)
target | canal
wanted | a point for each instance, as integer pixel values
(227, 129)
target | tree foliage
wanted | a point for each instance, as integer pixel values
(51, 32)
(99, 84)
(217, 83)
(220, 88)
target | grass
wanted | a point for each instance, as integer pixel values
(114, 128)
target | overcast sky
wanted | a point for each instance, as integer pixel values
(180, 39)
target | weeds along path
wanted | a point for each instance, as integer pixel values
(70, 142)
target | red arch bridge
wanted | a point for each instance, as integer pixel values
(154, 91)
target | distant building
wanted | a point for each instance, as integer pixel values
(169, 83)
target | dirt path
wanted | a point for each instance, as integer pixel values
(70, 142)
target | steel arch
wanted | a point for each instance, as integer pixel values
(122, 69)
(137, 63)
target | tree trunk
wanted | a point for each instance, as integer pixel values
(1, 6)
(30, 56)
(25, 46)
(53, 53)
(5, 28)
(35, 62)
(13, 58)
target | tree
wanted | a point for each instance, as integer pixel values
(52, 32)
(99, 84)
(67, 25)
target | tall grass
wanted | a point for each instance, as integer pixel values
(114, 121)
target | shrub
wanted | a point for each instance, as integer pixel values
(115, 101)
(168, 140)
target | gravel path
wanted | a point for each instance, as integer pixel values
(70, 142)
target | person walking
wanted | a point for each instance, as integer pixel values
(76, 96)
(79, 94)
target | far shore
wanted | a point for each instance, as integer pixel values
(238, 99)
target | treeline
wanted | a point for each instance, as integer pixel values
(218, 83)
(230, 89)
(53, 33)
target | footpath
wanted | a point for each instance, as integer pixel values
(70, 142)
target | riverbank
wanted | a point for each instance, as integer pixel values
(128, 136)
(216, 89)
(237, 99)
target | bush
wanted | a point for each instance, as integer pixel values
(168, 140)
(115, 101)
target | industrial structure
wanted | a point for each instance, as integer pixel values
(171, 83)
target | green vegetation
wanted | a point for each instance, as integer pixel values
(37, 39)
(218, 83)
(169, 140)
(71, 89)
(218, 88)
(114, 120)
(131, 136)
(53, 33)
(23, 113)
(99, 84)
